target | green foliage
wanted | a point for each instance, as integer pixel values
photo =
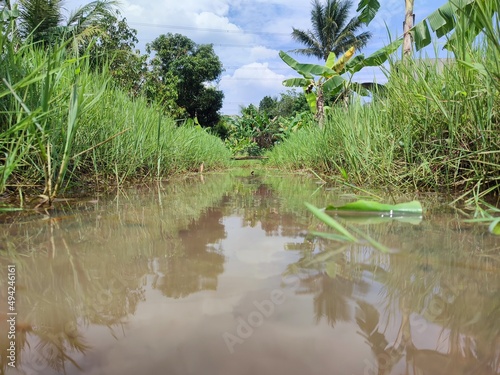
(289, 104)
(468, 18)
(368, 9)
(345, 233)
(244, 130)
(43, 97)
(61, 122)
(332, 31)
(39, 18)
(114, 48)
(255, 131)
(151, 146)
(484, 213)
(162, 90)
(436, 128)
(329, 81)
(191, 68)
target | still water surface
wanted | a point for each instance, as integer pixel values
(219, 277)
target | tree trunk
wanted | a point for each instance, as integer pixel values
(320, 107)
(408, 24)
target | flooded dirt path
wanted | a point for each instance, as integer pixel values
(220, 277)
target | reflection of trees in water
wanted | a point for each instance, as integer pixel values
(60, 296)
(257, 203)
(422, 294)
(89, 266)
(198, 265)
(331, 299)
(452, 302)
(327, 273)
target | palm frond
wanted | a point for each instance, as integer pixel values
(332, 31)
(37, 17)
(91, 12)
(303, 37)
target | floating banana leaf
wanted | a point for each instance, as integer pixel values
(372, 207)
(366, 219)
(494, 227)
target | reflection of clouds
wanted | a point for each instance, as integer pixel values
(251, 251)
(215, 304)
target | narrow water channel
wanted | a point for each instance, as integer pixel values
(218, 276)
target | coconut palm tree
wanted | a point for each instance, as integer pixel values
(331, 30)
(38, 18)
(44, 20)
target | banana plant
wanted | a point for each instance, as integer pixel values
(443, 20)
(318, 79)
(330, 80)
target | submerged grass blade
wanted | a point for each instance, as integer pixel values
(331, 222)
(345, 235)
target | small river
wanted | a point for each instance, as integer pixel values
(218, 275)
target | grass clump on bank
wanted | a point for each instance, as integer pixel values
(436, 126)
(150, 146)
(61, 122)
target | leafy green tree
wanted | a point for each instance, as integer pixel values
(161, 88)
(289, 104)
(115, 48)
(196, 68)
(332, 31)
(329, 80)
(268, 105)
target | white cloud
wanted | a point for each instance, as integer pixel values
(247, 35)
(260, 53)
(249, 84)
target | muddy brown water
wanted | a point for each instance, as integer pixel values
(220, 277)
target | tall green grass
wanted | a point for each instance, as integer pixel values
(61, 122)
(436, 127)
(137, 141)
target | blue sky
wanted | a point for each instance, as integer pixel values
(248, 34)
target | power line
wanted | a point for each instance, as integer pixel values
(255, 79)
(256, 67)
(226, 31)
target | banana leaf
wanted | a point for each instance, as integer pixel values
(363, 219)
(368, 9)
(306, 70)
(494, 227)
(297, 82)
(372, 207)
(333, 84)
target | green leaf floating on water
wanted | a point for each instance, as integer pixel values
(494, 227)
(364, 206)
